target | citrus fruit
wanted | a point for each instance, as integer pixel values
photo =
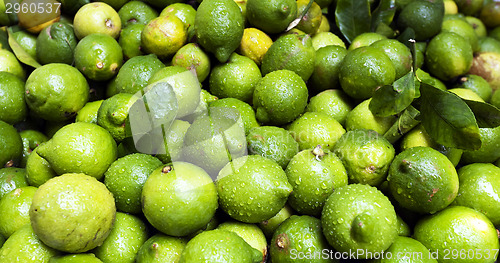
(161, 248)
(13, 107)
(56, 44)
(254, 44)
(163, 36)
(326, 68)
(273, 143)
(97, 17)
(11, 145)
(332, 102)
(136, 12)
(271, 16)
(192, 57)
(14, 209)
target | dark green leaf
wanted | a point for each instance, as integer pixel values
(389, 100)
(353, 17)
(383, 14)
(405, 122)
(20, 53)
(487, 115)
(448, 119)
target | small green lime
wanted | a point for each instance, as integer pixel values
(163, 36)
(125, 178)
(477, 84)
(398, 53)
(246, 111)
(14, 209)
(477, 25)
(314, 175)
(97, 17)
(271, 16)
(358, 216)
(255, 181)
(185, 12)
(56, 92)
(365, 39)
(489, 44)
(279, 97)
(13, 107)
(425, 17)
(462, 28)
(316, 128)
(9, 63)
(56, 44)
(235, 79)
(89, 112)
(38, 170)
(270, 225)
(136, 12)
(26, 40)
(24, 246)
(362, 118)
(179, 199)
(405, 249)
(423, 180)
(311, 20)
(11, 145)
(273, 143)
(130, 41)
(112, 115)
(332, 102)
(488, 152)
(11, 178)
(191, 56)
(31, 140)
(136, 72)
(161, 248)
(326, 68)
(251, 233)
(98, 57)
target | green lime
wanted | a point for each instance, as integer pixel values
(89, 112)
(13, 107)
(366, 156)
(326, 68)
(403, 228)
(488, 152)
(179, 199)
(273, 143)
(316, 128)
(130, 41)
(469, 7)
(251, 233)
(477, 84)
(279, 97)
(56, 44)
(462, 28)
(425, 17)
(124, 241)
(219, 245)
(291, 52)
(489, 44)
(161, 248)
(113, 113)
(11, 178)
(495, 98)
(448, 55)
(191, 56)
(270, 225)
(125, 178)
(11, 145)
(68, 199)
(365, 39)
(365, 69)
(254, 44)
(135, 73)
(31, 140)
(398, 53)
(163, 36)
(332, 102)
(38, 170)
(362, 118)
(423, 180)
(271, 16)
(97, 17)
(14, 209)
(299, 235)
(327, 38)
(252, 188)
(246, 111)
(24, 246)
(9, 63)
(56, 92)
(477, 25)
(80, 148)
(136, 12)
(424, 77)
(405, 249)
(478, 188)
(458, 228)
(98, 56)
(159, 4)
(235, 79)
(358, 216)
(219, 27)
(185, 12)
(174, 141)
(490, 14)
(314, 175)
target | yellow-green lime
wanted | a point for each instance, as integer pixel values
(13, 107)
(25, 246)
(185, 12)
(10, 179)
(462, 28)
(11, 145)
(136, 72)
(254, 44)
(113, 113)
(365, 39)
(361, 117)
(163, 36)
(161, 248)
(89, 112)
(488, 152)
(130, 40)
(38, 170)
(31, 140)
(192, 57)
(311, 20)
(316, 128)
(272, 142)
(271, 16)
(9, 63)
(14, 209)
(398, 53)
(323, 39)
(97, 17)
(136, 12)
(246, 111)
(332, 102)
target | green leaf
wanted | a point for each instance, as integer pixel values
(408, 34)
(383, 14)
(20, 53)
(487, 115)
(389, 100)
(405, 122)
(353, 17)
(448, 119)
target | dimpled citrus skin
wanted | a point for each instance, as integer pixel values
(359, 216)
(56, 92)
(24, 246)
(255, 190)
(80, 148)
(161, 248)
(72, 213)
